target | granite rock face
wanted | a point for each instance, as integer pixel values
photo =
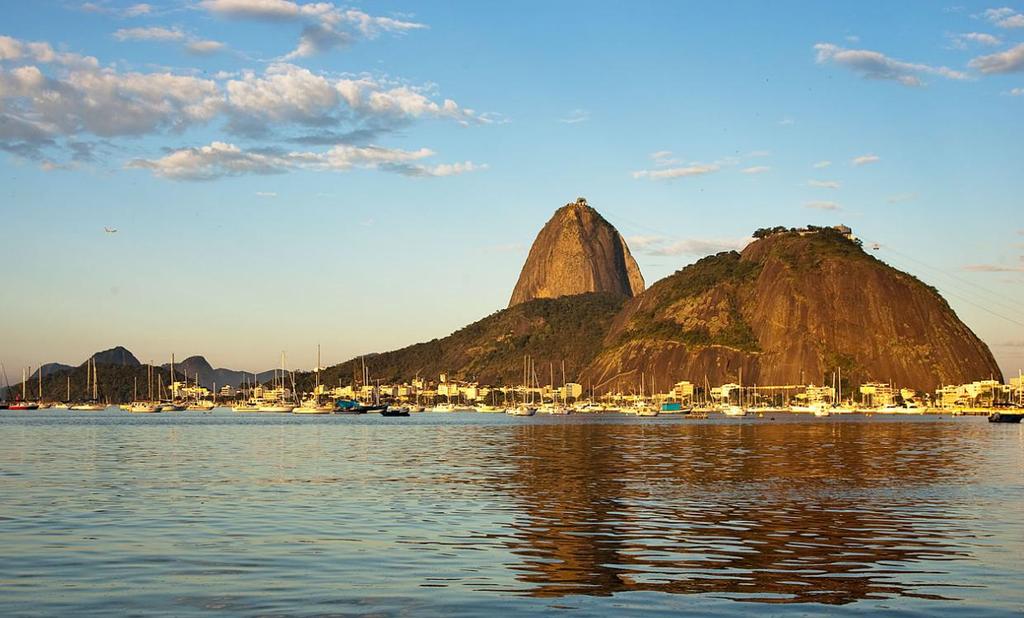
(577, 252)
(792, 309)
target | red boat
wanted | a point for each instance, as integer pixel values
(23, 405)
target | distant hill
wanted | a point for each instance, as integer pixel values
(49, 368)
(116, 356)
(208, 376)
(116, 383)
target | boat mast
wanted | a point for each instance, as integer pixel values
(563, 392)
(839, 394)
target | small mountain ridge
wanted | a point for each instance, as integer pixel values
(49, 368)
(491, 350)
(210, 377)
(577, 252)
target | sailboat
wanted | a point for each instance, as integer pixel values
(197, 404)
(143, 407)
(642, 407)
(64, 405)
(23, 403)
(94, 403)
(525, 408)
(279, 404)
(312, 404)
(172, 404)
(738, 409)
(42, 404)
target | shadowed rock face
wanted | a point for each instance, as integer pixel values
(577, 252)
(792, 309)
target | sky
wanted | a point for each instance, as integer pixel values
(283, 174)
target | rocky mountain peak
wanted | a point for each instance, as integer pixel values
(577, 252)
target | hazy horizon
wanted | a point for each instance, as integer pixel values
(286, 174)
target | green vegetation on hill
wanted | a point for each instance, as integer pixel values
(724, 270)
(491, 350)
(116, 383)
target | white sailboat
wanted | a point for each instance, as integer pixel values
(92, 405)
(312, 405)
(66, 404)
(525, 409)
(279, 405)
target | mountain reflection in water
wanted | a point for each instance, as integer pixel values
(822, 512)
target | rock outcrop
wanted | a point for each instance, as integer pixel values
(792, 308)
(577, 252)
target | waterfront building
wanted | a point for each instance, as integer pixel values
(877, 394)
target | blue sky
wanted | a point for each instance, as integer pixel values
(283, 174)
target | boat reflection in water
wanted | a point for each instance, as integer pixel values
(826, 513)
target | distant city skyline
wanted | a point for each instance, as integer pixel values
(286, 174)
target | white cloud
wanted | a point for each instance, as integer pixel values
(865, 159)
(443, 169)
(266, 194)
(961, 41)
(105, 103)
(45, 108)
(104, 7)
(664, 158)
(327, 26)
(220, 159)
(1016, 92)
(671, 173)
(154, 33)
(1009, 61)
(662, 246)
(12, 49)
(288, 93)
(640, 242)
(757, 169)
(821, 164)
(875, 65)
(1004, 17)
(39, 106)
(203, 48)
(787, 122)
(824, 184)
(159, 34)
(823, 205)
(138, 10)
(253, 9)
(576, 116)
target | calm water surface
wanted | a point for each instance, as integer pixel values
(470, 514)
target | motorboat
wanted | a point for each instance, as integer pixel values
(144, 407)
